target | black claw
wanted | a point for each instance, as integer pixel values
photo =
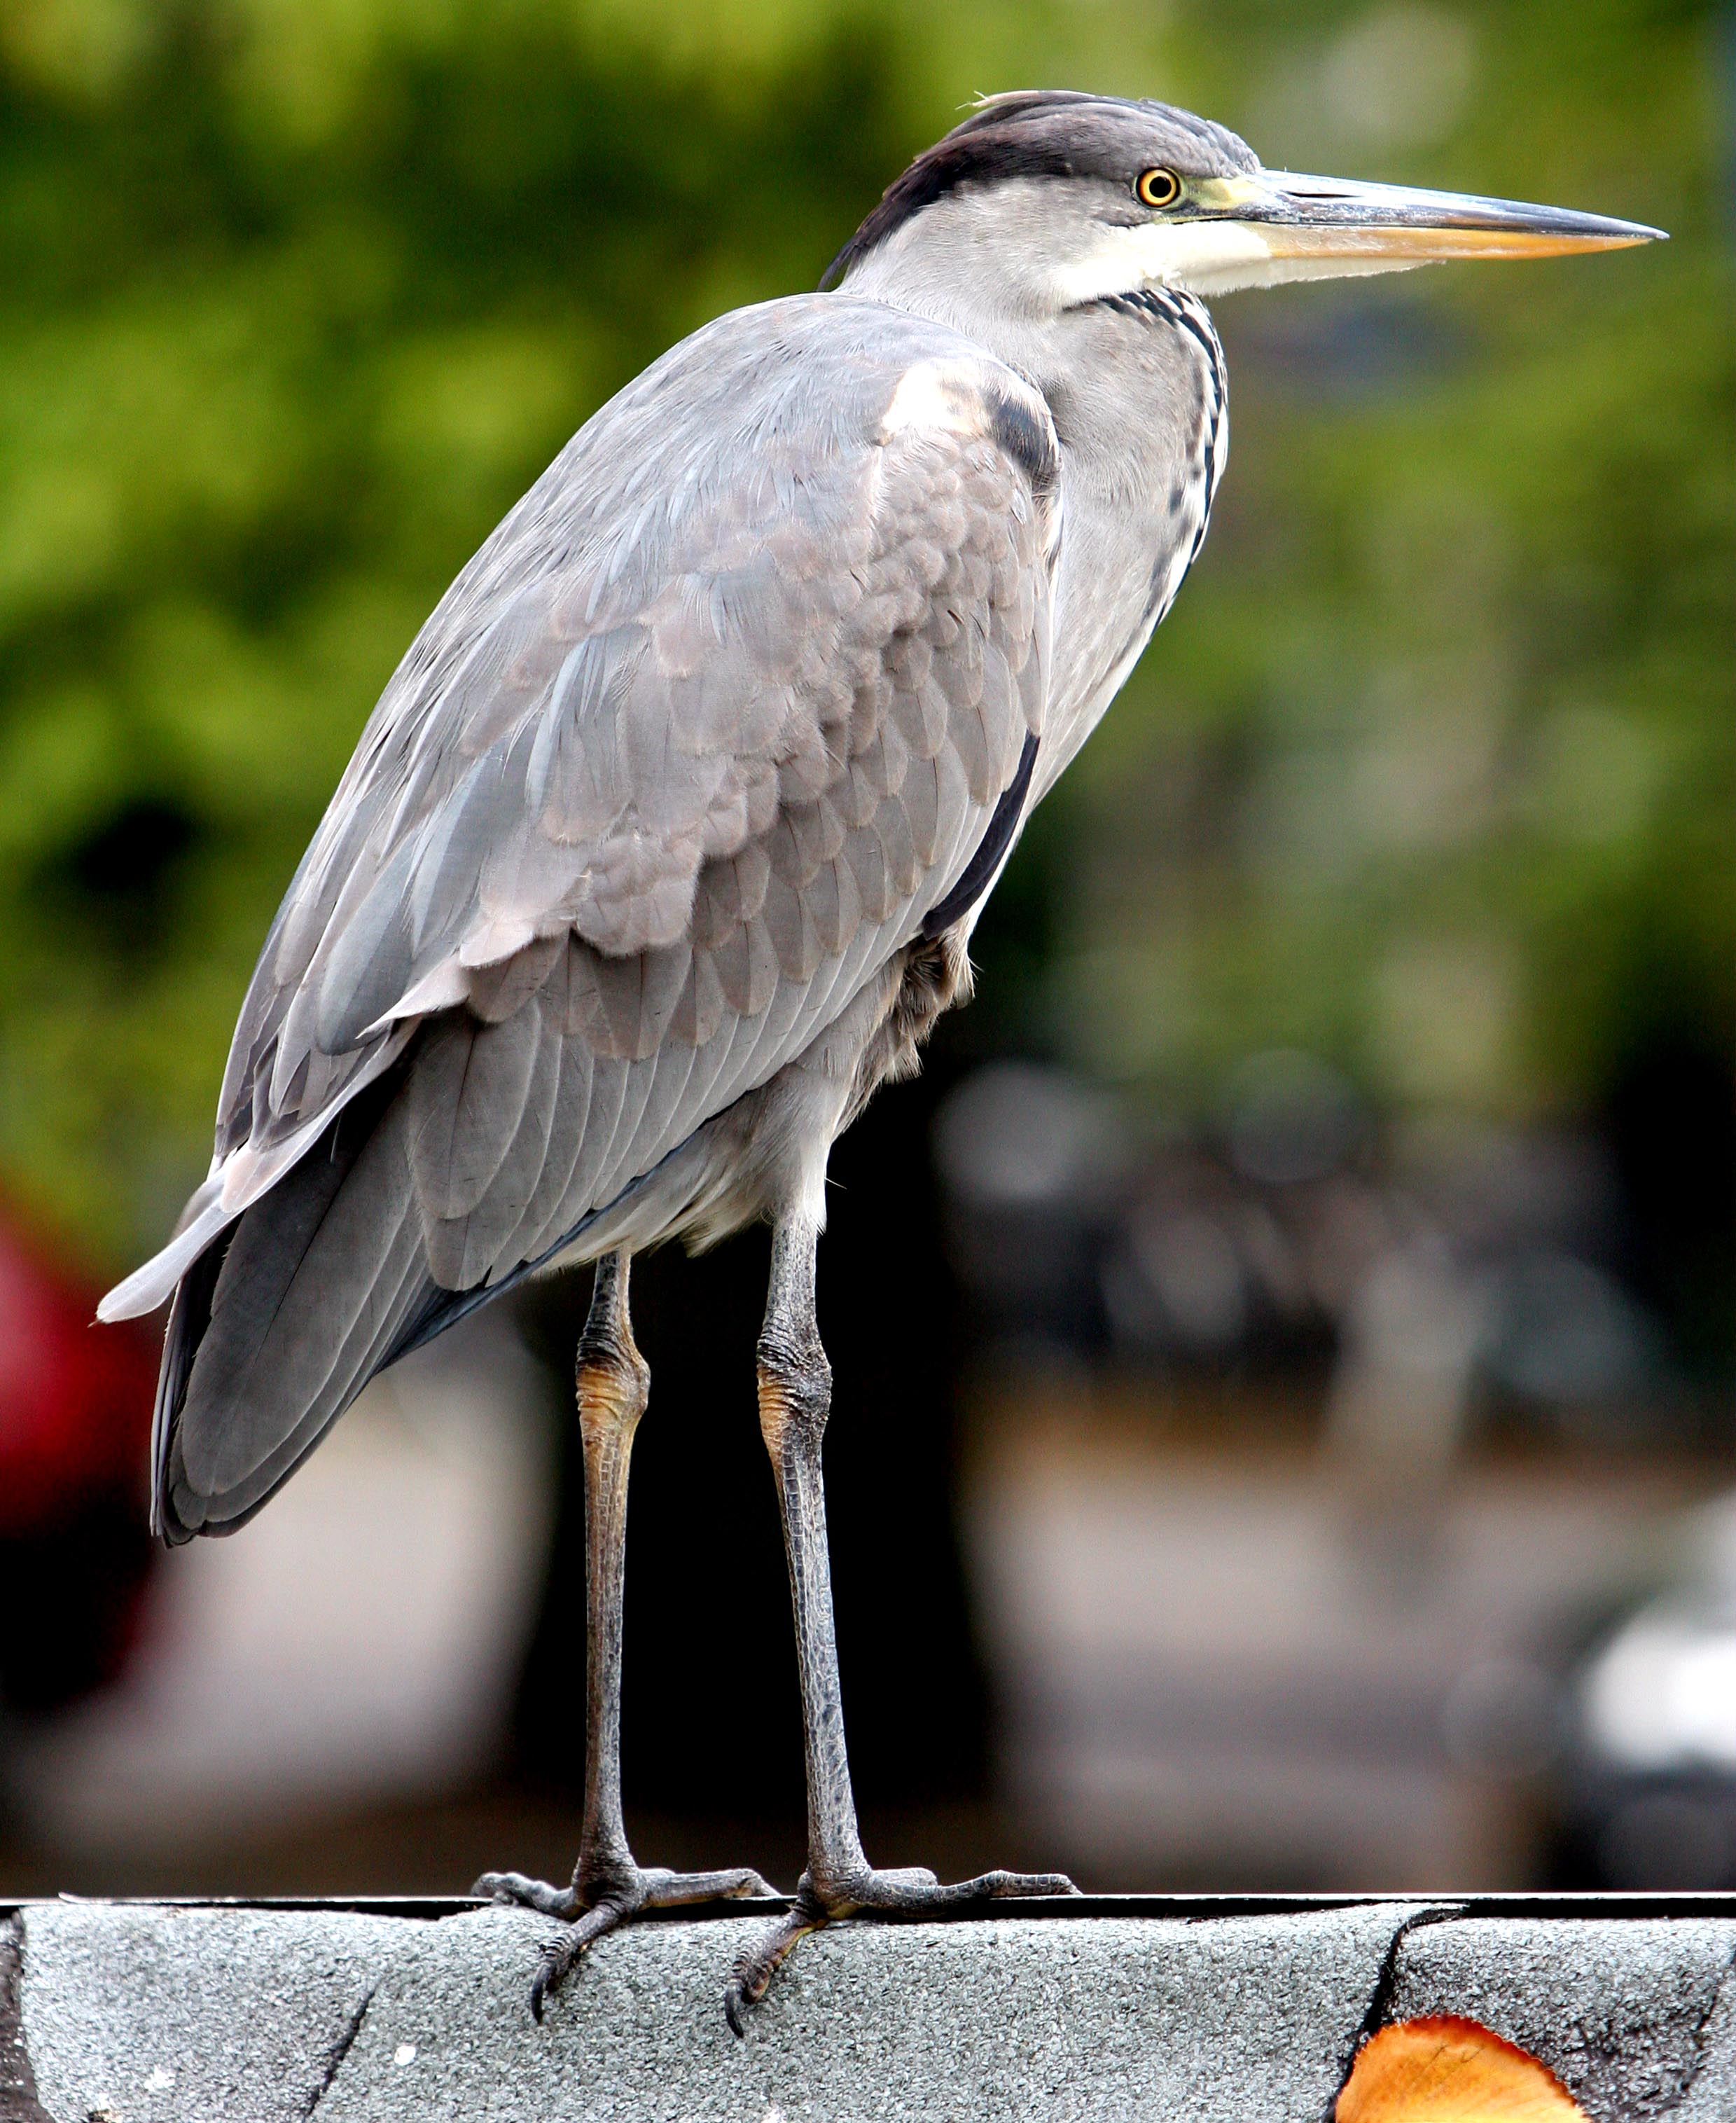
(735, 2009)
(554, 1966)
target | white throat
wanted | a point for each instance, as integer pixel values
(1199, 258)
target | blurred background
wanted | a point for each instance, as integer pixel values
(1284, 1343)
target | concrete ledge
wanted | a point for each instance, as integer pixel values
(1200, 2008)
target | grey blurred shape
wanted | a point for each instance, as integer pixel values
(1292, 1118)
(1018, 1134)
(1565, 1333)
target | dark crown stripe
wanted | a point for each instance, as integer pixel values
(945, 169)
(1045, 132)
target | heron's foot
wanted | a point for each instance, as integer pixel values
(593, 1907)
(907, 1891)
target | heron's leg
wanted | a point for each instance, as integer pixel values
(608, 1885)
(795, 1398)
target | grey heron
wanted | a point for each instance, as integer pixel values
(663, 847)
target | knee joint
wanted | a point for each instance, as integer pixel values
(795, 1392)
(614, 1382)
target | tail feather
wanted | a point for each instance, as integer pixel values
(189, 1317)
(472, 1162)
(275, 1333)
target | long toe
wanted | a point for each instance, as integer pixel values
(907, 1891)
(665, 1890)
(910, 1890)
(513, 1891)
(1008, 1885)
(900, 1877)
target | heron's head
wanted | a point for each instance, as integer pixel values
(1066, 199)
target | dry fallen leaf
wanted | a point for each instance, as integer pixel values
(1450, 2071)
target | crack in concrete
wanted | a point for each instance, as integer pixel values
(19, 2102)
(341, 2049)
(1385, 1982)
(1698, 2037)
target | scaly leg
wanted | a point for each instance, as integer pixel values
(608, 1885)
(795, 1397)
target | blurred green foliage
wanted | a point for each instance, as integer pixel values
(1430, 771)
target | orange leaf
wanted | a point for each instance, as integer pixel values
(1450, 2071)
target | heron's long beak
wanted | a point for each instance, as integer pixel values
(1275, 226)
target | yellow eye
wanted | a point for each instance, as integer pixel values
(1158, 188)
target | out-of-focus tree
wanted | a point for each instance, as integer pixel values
(1428, 772)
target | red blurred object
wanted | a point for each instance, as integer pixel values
(75, 1398)
(75, 1423)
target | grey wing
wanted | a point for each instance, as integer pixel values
(693, 746)
(719, 703)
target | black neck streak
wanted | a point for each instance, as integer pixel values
(1187, 313)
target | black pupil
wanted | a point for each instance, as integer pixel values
(1158, 186)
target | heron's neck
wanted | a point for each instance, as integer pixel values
(1137, 389)
(1132, 381)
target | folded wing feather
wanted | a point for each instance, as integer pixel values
(718, 713)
